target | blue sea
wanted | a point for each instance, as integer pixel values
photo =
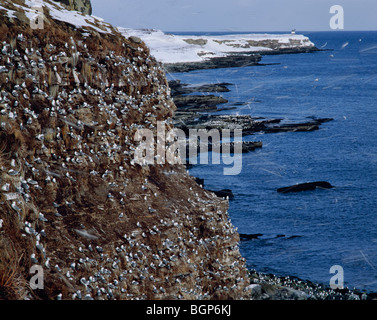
(306, 233)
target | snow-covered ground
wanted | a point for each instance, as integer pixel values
(168, 48)
(34, 8)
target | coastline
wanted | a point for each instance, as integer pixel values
(233, 60)
(183, 53)
(74, 202)
(263, 286)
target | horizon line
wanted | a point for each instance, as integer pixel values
(275, 31)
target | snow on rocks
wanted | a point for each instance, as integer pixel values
(168, 48)
(58, 12)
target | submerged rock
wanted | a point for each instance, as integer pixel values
(306, 187)
(245, 237)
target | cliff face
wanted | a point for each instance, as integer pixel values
(72, 201)
(83, 6)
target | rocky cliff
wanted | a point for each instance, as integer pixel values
(83, 6)
(72, 202)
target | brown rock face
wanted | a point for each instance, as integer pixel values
(71, 200)
(83, 6)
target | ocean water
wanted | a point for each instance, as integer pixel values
(321, 228)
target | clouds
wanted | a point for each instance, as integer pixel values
(235, 15)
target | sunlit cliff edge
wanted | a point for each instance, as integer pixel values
(73, 93)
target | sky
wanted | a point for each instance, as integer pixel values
(236, 15)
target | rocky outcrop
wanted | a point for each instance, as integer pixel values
(187, 119)
(83, 6)
(308, 186)
(224, 193)
(198, 102)
(231, 61)
(310, 125)
(72, 200)
(195, 104)
(177, 88)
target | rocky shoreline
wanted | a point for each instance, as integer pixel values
(196, 105)
(271, 287)
(197, 114)
(243, 60)
(246, 59)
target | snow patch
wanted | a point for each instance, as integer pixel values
(10, 13)
(60, 13)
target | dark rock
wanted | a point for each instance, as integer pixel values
(292, 128)
(198, 101)
(178, 88)
(188, 115)
(135, 39)
(248, 124)
(291, 51)
(306, 187)
(300, 126)
(199, 181)
(247, 146)
(238, 60)
(83, 6)
(293, 237)
(245, 237)
(320, 120)
(223, 193)
(186, 119)
(217, 62)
